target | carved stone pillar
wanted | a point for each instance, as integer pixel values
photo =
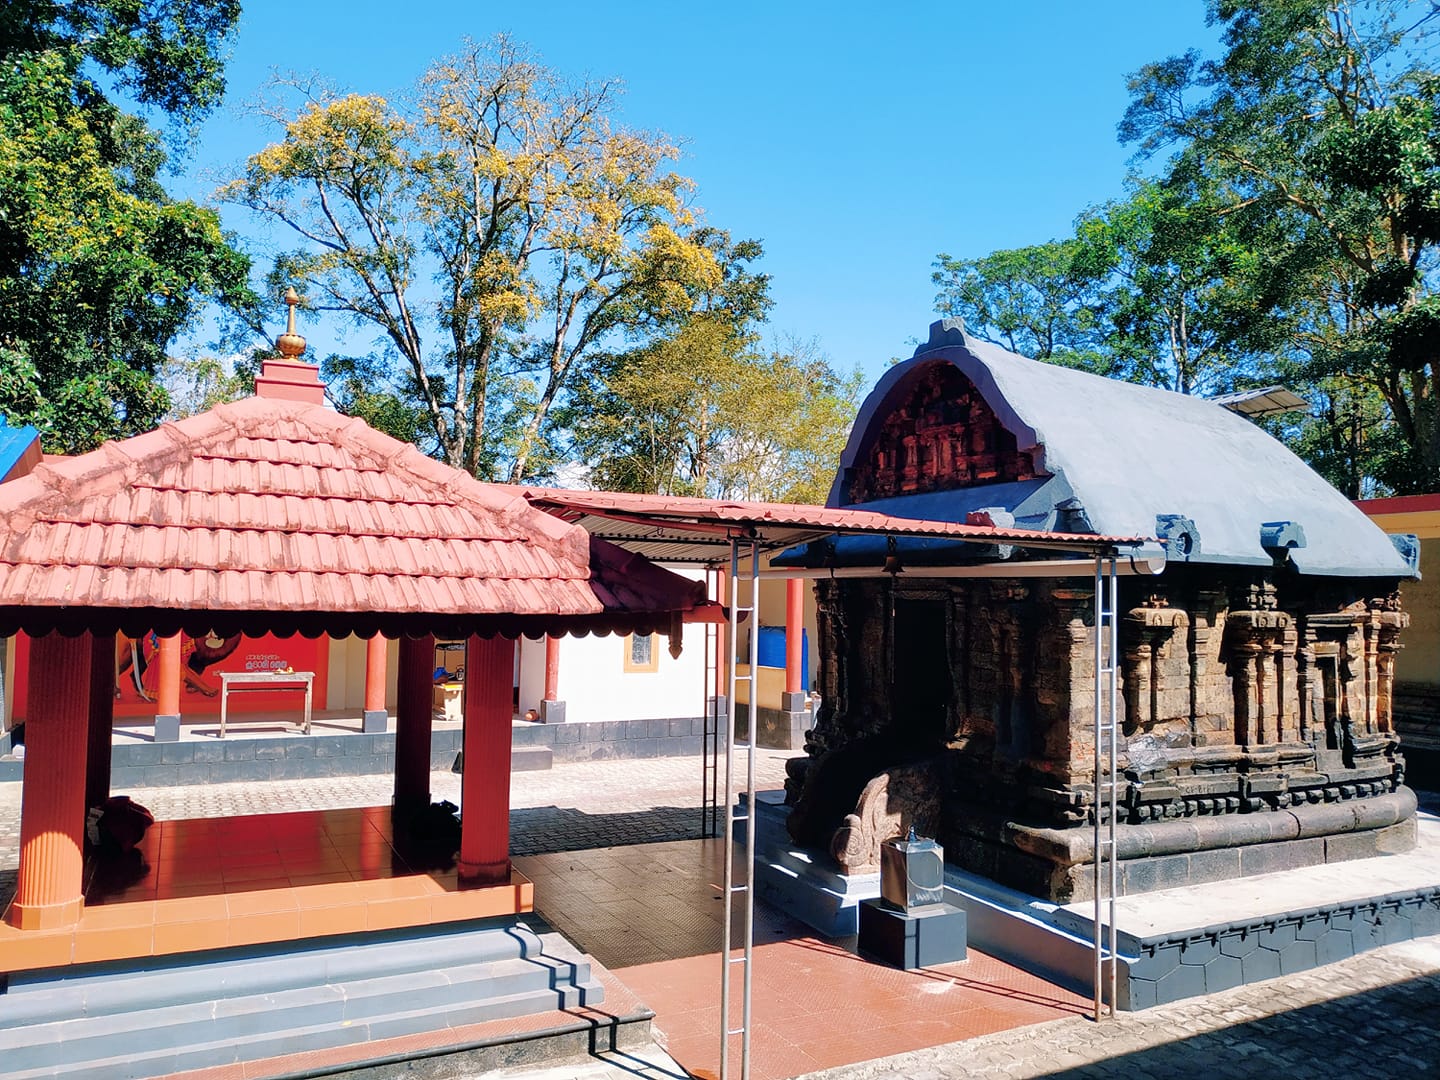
(1287, 691)
(1209, 696)
(1389, 620)
(1247, 707)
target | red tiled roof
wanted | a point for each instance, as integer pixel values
(277, 515)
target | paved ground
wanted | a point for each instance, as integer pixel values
(1371, 1016)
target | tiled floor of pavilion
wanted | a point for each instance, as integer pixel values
(213, 883)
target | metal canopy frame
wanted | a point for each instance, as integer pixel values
(717, 534)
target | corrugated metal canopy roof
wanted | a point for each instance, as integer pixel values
(670, 528)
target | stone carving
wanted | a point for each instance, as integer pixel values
(944, 436)
(1156, 667)
(893, 802)
(1244, 692)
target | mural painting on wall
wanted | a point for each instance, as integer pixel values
(202, 660)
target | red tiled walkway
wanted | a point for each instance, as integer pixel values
(652, 914)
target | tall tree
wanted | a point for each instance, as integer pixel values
(99, 269)
(1176, 303)
(546, 229)
(1317, 130)
(1041, 301)
(703, 409)
(1154, 288)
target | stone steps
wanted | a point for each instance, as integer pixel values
(219, 1009)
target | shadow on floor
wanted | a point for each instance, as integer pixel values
(1384, 1032)
(537, 830)
(641, 904)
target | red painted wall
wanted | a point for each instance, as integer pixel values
(201, 661)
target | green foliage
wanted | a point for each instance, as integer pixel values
(98, 269)
(1289, 234)
(1156, 288)
(1316, 132)
(196, 383)
(1042, 301)
(703, 410)
(700, 412)
(544, 228)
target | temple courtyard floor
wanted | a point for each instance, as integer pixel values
(613, 848)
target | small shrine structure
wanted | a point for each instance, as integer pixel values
(1256, 640)
(220, 941)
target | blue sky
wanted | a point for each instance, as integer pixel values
(855, 140)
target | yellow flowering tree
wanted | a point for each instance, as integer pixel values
(495, 232)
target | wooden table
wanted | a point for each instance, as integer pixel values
(265, 680)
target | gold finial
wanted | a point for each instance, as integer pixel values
(290, 344)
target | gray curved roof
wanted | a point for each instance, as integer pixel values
(1129, 455)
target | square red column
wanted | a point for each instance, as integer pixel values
(102, 719)
(414, 723)
(485, 784)
(48, 894)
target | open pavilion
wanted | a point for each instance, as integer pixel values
(277, 515)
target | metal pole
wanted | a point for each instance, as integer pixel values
(750, 823)
(1114, 793)
(728, 845)
(1098, 935)
(748, 888)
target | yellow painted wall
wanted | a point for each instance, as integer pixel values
(1419, 660)
(772, 685)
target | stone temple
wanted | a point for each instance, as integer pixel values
(1255, 668)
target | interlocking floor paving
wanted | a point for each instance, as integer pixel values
(1371, 1016)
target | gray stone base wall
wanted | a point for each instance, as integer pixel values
(1058, 864)
(232, 760)
(675, 737)
(779, 729)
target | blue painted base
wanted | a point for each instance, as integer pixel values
(1055, 943)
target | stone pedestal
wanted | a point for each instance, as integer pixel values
(920, 938)
(552, 712)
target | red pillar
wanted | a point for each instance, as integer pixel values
(167, 696)
(552, 669)
(726, 647)
(552, 709)
(794, 635)
(102, 719)
(414, 705)
(485, 785)
(52, 808)
(375, 719)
